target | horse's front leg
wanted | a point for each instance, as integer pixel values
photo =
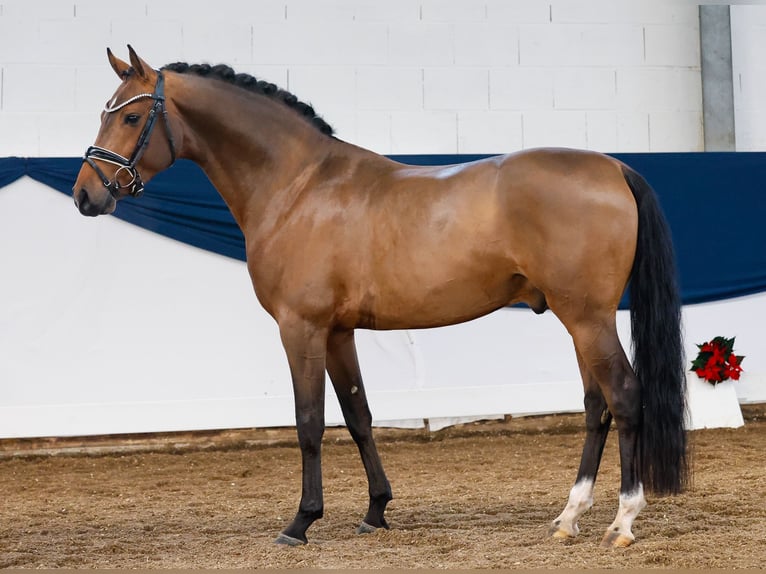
(343, 367)
(305, 345)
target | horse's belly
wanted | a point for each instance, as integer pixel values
(412, 303)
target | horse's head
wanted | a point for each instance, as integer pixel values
(128, 149)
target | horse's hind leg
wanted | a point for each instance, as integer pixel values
(597, 422)
(602, 354)
(343, 367)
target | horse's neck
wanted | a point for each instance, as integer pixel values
(251, 148)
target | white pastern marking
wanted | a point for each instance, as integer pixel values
(580, 500)
(630, 505)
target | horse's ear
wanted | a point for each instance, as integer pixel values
(141, 68)
(120, 68)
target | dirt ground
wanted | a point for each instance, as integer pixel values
(475, 496)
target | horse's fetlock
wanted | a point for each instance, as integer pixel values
(312, 514)
(382, 497)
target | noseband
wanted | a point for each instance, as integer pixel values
(95, 153)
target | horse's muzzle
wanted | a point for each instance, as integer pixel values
(89, 206)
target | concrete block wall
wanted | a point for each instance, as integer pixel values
(396, 76)
(748, 28)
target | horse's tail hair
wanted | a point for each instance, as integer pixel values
(658, 353)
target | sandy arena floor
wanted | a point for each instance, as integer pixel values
(476, 496)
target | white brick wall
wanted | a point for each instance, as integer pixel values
(397, 76)
(748, 26)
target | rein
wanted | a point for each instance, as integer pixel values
(95, 153)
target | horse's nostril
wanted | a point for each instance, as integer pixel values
(81, 198)
(85, 205)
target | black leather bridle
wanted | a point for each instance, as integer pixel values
(95, 153)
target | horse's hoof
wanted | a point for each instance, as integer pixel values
(365, 528)
(560, 534)
(286, 540)
(614, 539)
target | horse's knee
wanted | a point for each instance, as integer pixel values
(310, 428)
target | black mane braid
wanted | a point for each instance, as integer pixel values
(246, 81)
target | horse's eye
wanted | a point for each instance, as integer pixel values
(132, 119)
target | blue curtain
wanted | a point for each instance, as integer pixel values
(11, 169)
(715, 203)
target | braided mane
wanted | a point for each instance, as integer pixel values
(246, 81)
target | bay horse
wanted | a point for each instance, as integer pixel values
(340, 238)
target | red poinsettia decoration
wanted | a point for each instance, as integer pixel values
(717, 362)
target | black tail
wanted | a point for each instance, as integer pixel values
(658, 354)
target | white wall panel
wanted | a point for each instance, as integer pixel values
(481, 132)
(521, 88)
(440, 11)
(601, 130)
(38, 88)
(391, 11)
(93, 86)
(654, 89)
(654, 12)
(751, 130)
(330, 89)
(608, 11)
(411, 131)
(456, 89)
(31, 10)
(672, 131)
(633, 131)
(581, 45)
(204, 42)
(626, 131)
(18, 40)
(58, 130)
(421, 44)
(311, 12)
(332, 43)
(486, 44)
(59, 44)
(158, 41)
(521, 12)
(585, 89)
(418, 50)
(748, 24)
(99, 11)
(672, 45)
(389, 88)
(554, 129)
(373, 130)
(596, 11)
(19, 134)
